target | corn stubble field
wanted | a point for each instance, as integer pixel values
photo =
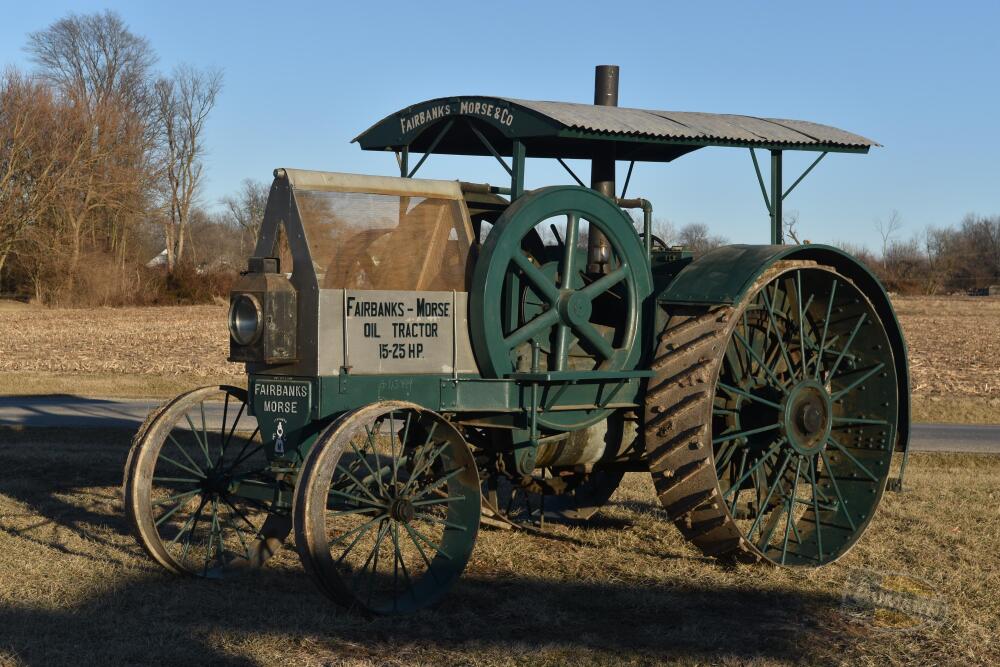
(953, 341)
(624, 590)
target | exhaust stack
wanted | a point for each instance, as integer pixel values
(602, 169)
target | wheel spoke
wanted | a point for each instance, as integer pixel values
(587, 330)
(743, 434)
(418, 470)
(778, 384)
(378, 461)
(746, 394)
(166, 515)
(560, 352)
(416, 543)
(777, 330)
(532, 328)
(836, 488)
(606, 282)
(739, 473)
(438, 483)
(364, 459)
(826, 324)
(426, 540)
(437, 501)
(854, 460)
(196, 468)
(766, 455)
(569, 250)
(767, 500)
(850, 339)
(537, 278)
(202, 444)
(791, 508)
(354, 531)
(182, 480)
(358, 484)
(815, 490)
(802, 318)
(852, 420)
(178, 496)
(236, 423)
(434, 519)
(848, 388)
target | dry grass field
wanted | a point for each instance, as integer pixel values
(626, 590)
(954, 353)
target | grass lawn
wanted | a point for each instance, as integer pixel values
(75, 588)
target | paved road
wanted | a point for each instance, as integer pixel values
(77, 412)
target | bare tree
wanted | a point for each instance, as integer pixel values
(888, 228)
(100, 71)
(245, 209)
(183, 103)
(790, 222)
(696, 238)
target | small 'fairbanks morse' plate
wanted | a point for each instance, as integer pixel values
(282, 407)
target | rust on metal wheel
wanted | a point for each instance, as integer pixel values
(387, 508)
(770, 423)
(199, 493)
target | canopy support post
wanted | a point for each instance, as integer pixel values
(403, 159)
(518, 153)
(804, 174)
(570, 171)
(777, 236)
(430, 149)
(486, 142)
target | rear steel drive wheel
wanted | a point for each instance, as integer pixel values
(770, 424)
(387, 508)
(199, 492)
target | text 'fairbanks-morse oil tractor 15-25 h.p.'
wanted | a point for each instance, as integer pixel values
(424, 355)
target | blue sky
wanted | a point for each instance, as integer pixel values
(302, 79)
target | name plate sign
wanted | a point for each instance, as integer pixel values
(390, 332)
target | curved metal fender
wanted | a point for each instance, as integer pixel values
(723, 275)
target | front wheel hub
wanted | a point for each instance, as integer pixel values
(402, 510)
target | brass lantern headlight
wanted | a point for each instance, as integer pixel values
(246, 319)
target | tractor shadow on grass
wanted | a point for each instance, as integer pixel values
(67, 511)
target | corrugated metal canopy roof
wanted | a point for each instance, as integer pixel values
(564, 129)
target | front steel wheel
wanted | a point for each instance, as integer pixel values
(199, 493)
(387, 508)
(770, 424)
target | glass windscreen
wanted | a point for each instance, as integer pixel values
(381, 242)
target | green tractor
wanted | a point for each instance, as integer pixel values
(425, 356)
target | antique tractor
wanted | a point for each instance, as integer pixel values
(425, 355)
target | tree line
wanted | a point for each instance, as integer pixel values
(102, 164)
(102, 167)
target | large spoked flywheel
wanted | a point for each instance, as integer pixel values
(524, 298)
(770, 424)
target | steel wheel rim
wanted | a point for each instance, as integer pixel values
(182, 482)
(401, 510)
(804, 430)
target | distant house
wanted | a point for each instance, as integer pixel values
(158, 262)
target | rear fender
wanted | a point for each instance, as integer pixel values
(723, 275)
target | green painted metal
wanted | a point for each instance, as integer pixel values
(519, 153)
(777, 235)
(723, 276)
(499, 339)
(800, 389)
(387, 508)
(507, 118)
(804, 174)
